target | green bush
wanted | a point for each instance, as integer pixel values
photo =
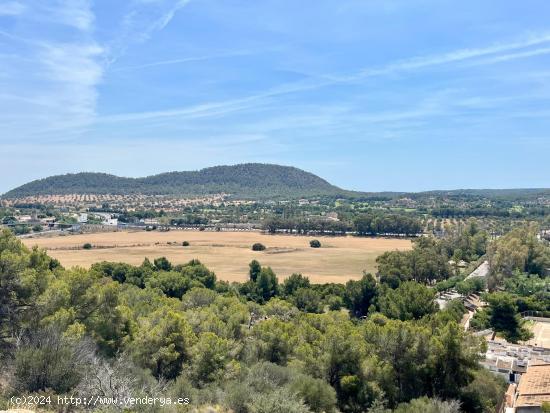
(307, 300)
(47, 360)
(278, 401)
(185, 243)
(315, 243)
(21, 229)
(171, 283)
(335, 303)
(316, 393)
(87, 246)
(258, 247)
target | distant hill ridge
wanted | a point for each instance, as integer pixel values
(251, 180)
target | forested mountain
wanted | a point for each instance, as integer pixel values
(251, 180)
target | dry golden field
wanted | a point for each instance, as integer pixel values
(228, 253)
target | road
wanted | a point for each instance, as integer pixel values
(481, 271)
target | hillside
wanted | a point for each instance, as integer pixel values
(251, 180)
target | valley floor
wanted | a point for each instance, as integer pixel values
(228, 253)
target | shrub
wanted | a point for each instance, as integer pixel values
(307, 300)
(46, 359)
(87, 246)
(315, 243)
(21, 229)
(198, 297)
(278, 401)
(171, 283)
(294, 282)
(185, 243)
(316, 393)
(335, 303)
(258, 247)
(162, 264)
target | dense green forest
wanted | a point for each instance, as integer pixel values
(379, 344)
(245, 180)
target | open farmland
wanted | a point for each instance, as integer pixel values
(227, 253)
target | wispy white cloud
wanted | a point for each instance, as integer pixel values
(479, 56)
(456, 56)
(76, 13)
(188, 112)
(144, 19)
(513, 56)
(74, 71)
(51, 85)
(182, 60)
(58, 81)
(166, 18)
(12, 8)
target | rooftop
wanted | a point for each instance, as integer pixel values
(534, 386)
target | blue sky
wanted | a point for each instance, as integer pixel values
(369, 94)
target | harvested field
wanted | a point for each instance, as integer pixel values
(228, 253)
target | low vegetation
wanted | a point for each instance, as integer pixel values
(258, 247)
(315, 243)
(277, 341)
(258, 346)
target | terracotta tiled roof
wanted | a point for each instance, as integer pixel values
(534, 386)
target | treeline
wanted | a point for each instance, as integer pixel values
(262, 346)
(189, 219)
(365, 224)
(520, 250)
(493, 211)
(519, 293)
(519, 282)
(387, 224)
(428, 261)
(304, 226)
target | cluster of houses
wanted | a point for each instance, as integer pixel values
(30, 221)
(526, 367)
(532, 393)
(73, 221)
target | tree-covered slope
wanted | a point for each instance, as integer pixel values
(251, 180)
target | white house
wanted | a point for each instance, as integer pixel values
(111, 222)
